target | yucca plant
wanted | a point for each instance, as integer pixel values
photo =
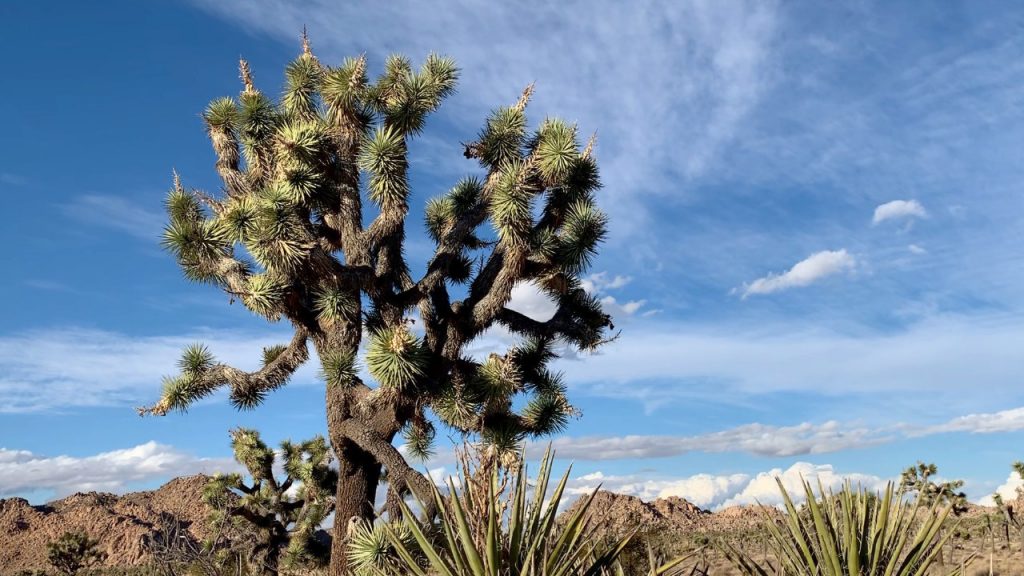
(523, 534)
(854, 532)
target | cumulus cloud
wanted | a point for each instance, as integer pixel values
(898, 210)
(602, 282)
(764, 489)
(808, 271)
(1009, 490)
(115, 471)
(715, 492)
(529, 299)
(915, 249)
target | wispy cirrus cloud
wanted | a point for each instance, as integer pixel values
(756, 439)
(656, 129)
(804, 273)
(56, 369)
(116, 213)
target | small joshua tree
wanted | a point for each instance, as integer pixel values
(1013, 514)
(287, 239)
(284, 514)
(917, 479)
(74, 551)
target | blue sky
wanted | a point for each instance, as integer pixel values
(815, 253)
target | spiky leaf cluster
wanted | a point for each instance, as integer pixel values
(285, 514)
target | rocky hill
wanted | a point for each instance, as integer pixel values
(120, 523)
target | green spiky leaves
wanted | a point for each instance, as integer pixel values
(404, 98)
(511, 206)
(384, 157)
(396, 358)
(221, 114)
(343, 87)
(502, 140)
(196, 359)
(585, 228)
(338, 369)
(419, 439)
(263, 296)
(302, 82)
(333, 305)
(557, 151)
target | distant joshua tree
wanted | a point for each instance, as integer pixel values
(918, 479)
(1013, 512)
(287, 239)
(285, 515)
(74, 551)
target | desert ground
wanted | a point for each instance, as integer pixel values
(127, 525)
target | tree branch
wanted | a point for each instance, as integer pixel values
(243, 384)
(400, 474)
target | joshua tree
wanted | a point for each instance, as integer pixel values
(1013, 514)
(285, 514)
(917, 479)
(74, 551)
(287, 239)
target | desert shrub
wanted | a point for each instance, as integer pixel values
(73, 551)
(852, 533)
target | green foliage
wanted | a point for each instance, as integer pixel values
(853, 532)
(490, 527)
(74, 551)
(917, 479)
(338, 369)
(277, 518)
(396, 358)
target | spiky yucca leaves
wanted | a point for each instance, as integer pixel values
(853, 532)
(284, 515)
(518, 533)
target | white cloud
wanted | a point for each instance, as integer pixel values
(809, 270)
(987, 423)
(758, 439)
(601, 282)
(764, 489)
(24, 472)
(50, 369)
(527, 298)
(915, 249)
(897, 210)
(116, 213)
(1009, 490)
(719, 54)
(715, 492)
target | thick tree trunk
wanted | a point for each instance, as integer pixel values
(359, 475)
